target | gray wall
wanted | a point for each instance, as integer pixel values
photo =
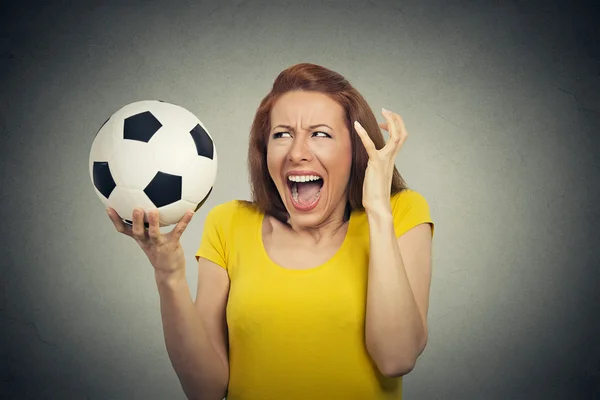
(502, 104)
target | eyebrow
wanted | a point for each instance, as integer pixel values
(310, 127)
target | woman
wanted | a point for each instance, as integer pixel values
(319, 287)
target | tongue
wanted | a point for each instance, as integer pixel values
(307, 191)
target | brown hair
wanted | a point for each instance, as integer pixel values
(311, 77)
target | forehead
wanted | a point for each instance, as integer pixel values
(307, 108)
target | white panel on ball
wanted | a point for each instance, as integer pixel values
(173, 149)
(124, 200)
(133, 164)
(140, 200)
(172, 213)
(199, 179)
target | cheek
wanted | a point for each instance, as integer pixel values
(270, 165)
(274, 161)
(338, 163)
(343, 157)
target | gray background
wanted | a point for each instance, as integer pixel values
(502, 103)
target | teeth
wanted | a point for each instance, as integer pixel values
(303, 178)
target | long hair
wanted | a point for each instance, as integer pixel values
(311, 77)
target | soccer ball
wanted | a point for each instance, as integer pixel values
(152, 154)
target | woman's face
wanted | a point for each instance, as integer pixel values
(309, 155)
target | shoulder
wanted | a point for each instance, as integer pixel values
(408, 198)
(234, 210)
(409, 209)
(222, 210)
(223, 223)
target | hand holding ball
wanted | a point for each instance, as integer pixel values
(153, 155)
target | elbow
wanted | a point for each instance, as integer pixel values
(396, 369)
(398, 365)
(205, 394)
(195, 388)
(393, 363)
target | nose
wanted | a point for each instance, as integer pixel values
(300, 151)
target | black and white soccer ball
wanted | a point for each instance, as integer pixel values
(152, 154)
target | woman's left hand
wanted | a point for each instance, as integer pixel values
(380, 167)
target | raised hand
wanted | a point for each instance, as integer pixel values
(380, 168)
(163, 250)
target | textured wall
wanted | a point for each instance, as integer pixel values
(502, 104)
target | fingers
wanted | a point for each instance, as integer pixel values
(366, 140)
(151, 230)
(385, 127)
(154, 226)
(139, 230)
(396, 128)
(393, 126)
(401, 127)
(120, 226)
(182, 225)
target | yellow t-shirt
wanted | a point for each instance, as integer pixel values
(299, 334)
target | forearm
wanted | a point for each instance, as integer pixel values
(194, 359)
(395, 332)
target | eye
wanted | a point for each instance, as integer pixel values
(322, 133)
(278, 135)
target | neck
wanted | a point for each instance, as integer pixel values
(324, 231)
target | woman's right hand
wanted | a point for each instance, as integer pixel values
(163, 250)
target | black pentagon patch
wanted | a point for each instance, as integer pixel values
(130, 223)
(203, 200)
(141, 127)
(103, 180)
(164, 189)
(204, 144)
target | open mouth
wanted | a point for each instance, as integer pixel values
(305, 190)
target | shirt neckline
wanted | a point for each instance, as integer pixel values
(322, 266)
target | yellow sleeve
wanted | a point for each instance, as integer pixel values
(409, 209)
(215, 235)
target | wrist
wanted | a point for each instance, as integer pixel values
(381, 214)
(171, 278)
(380, 220)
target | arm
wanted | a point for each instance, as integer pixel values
(397, 294)
(399, 269)
(195, 333)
